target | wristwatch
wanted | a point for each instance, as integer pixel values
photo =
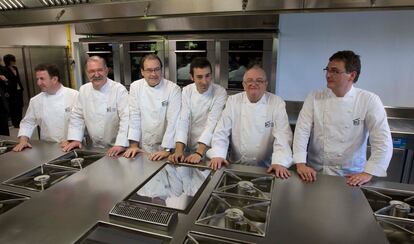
(167, 149)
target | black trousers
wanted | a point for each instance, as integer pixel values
(16, 107)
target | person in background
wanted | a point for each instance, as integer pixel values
(101, 107)
(254, 128)
(334, 125)
(4, 106)
(50, 109)
(15, 89)
(154, 109)
(201, 106)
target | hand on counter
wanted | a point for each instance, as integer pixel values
(176, 157)
(279, 171)
(358, 179)
(216, 163)
(115, 151)
(158, 155)
(72, 145)
(194, 158)
(306, 173)
(23, 143)
(133, 150)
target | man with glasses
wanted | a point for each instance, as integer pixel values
(154, 109)
(334, 125)
(254, 128)
(102, 107)
(201, 107)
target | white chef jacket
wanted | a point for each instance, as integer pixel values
(154, 113)
(105, 113)
(199, 115)
(260, 132)
(51, 113)
(338, 128)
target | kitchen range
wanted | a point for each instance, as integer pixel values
(90, 198)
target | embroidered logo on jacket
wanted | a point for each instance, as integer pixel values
(110, 109)
(164, 103)
(357, 121)
(269, 124)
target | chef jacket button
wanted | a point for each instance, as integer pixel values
(342, 140)
(349, 111)
(339, 155)
(346, 126)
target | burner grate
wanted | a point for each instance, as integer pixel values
(163, 218)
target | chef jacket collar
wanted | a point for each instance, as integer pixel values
(207, 93)
(262, 100)
(157, 86)
(350, 93)
(105, 87)
(59, 91)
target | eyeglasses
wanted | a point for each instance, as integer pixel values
(156, 70)
(333, 71)
(257, 81)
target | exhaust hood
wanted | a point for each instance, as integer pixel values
(46, 12)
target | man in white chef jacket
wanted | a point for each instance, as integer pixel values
(254, 127)
(201, 106)
(50, 109)
(102, 107)
(334, 125)
(154, 109)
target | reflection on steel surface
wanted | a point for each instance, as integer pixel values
(204, 238)
(7, 146)
(174, 186)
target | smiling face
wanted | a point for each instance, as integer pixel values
(97, 72)
(151, 71)
(255, 83)
(337, 79)
(202, 78)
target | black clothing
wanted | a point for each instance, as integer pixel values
(4, 107)
(15, 90)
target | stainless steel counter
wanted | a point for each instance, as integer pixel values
(327, 211)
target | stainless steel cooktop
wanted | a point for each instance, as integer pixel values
(40, 178)
(6, 146)
(394, 211)
(9, 200)
(240, 202)
(77, 159)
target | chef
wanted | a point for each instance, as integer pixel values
(102, 106)
(50, 109)
(154, 109)
(254, 127)
(337, 122)
(201, 107)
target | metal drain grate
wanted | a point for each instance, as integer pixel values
(144, 213)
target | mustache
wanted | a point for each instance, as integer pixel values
(96, 78)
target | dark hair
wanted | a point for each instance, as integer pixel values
(351, 60)
(199, 62)
(149, 57)
(51, 69)
(7, 59)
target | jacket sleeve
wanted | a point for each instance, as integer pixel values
(303, 130)
(134, 132)
(379, 138)
(28, 123)
(173, 111)
(220, 142)
(123, 113)
(213, 116)
(183, 123)
(77, 121)
(282, 152)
